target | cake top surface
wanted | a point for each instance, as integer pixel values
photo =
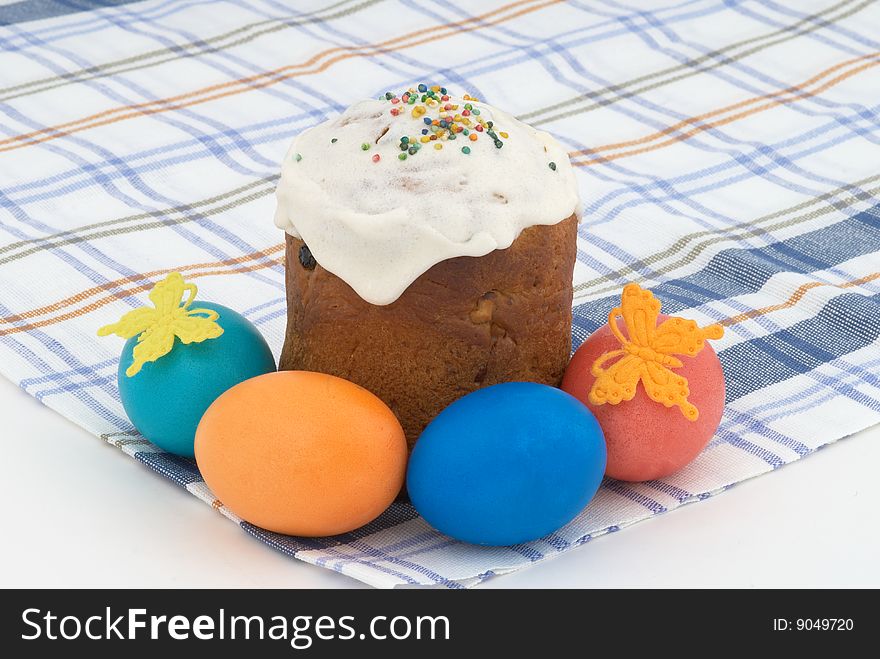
(396, 185)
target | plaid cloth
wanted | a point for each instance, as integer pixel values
(727, 154)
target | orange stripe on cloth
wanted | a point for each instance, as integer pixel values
(792, 301)
(796, 92)
(272, 77)
(238, 265)
(796, 297)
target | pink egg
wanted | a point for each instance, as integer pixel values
(645, 439)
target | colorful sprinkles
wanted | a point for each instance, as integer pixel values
(444, 119)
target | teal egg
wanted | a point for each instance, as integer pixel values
(166, 400)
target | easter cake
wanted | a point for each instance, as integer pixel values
(429, 251)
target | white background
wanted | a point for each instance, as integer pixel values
(78, 512)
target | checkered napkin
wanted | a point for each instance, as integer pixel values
(727, 154)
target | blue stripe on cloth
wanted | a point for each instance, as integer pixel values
(182, 471)
(397, 553)
(217, 230)
(747, 163)
(624, 490)
(291, 546)
(735, 421)
(737, 271)
(397, 513)
(92, 23)
(57, 350)
(802, 347)
(34, 10)
(85, 371)
(210, 140)
(844, 383)
(670, 490)
(734, 439)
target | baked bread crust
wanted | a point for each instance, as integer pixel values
(466, 323)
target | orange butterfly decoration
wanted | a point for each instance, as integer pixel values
(647, 354)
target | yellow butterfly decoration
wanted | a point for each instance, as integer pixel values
(647, 354)
(159, 326)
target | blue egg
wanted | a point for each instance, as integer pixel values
(507, 464)
(166, 400)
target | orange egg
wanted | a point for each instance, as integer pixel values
(302, 453)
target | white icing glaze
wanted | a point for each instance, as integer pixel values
(380, 225)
